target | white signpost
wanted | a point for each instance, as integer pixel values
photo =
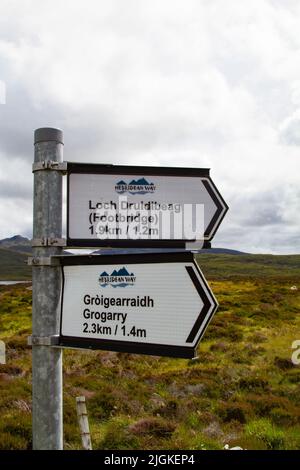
(141, 206)
(155, 303)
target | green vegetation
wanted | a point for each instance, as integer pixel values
(241, 390)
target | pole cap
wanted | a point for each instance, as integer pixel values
(46, 134)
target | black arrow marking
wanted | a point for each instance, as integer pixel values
(221, 205)
(206, 301)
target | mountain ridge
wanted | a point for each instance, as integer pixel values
(16, 243)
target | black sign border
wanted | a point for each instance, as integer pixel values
(108, 169)
(184, 352)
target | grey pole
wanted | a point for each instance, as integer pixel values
(47, 421)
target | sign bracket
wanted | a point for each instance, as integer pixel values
(50, 165)
(43, 261)
(44, 241)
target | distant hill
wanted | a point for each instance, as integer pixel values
(15, 240)
(221, 251)
(13, 266)
(216, 263)
(17, 243)
(14, 252)
(23, 244)
(210, 251)
(228, 266)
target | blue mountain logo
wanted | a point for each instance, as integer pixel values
(120, 278)
(139, 186)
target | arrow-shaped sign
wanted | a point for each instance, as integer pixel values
(134, 206)
(157, 304)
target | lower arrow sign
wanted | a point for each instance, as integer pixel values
(154, 303)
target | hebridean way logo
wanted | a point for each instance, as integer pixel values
(121, 278)
(140, 186)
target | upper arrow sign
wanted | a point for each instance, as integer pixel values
(155, 303)
(141, 206)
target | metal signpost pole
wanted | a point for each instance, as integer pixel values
(46, 286)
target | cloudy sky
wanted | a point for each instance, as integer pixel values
(200, 83)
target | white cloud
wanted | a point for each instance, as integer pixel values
(182, 83)
(290, 129)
